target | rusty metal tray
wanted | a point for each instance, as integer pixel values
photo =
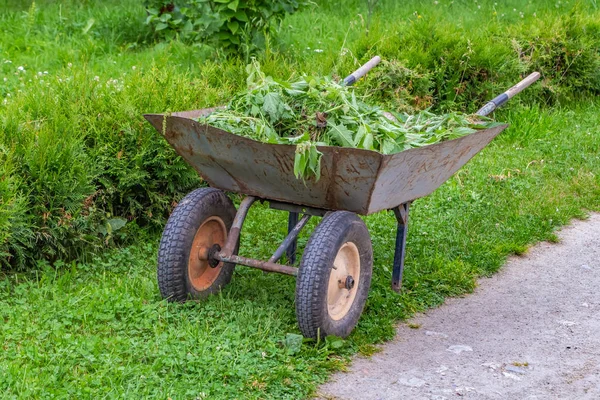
(361, 181)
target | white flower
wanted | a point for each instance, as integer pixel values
(318, 51)
(69, 65)
(133, 68)
(7, 62)
(97, 78)
(45, 72)
(5, 79)
(20, 68)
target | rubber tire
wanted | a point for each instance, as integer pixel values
(334, 230)
(177, 239)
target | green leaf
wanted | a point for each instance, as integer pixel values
(272, 105)
(233, 5)
(116, 223)
(241, 15)
(233, 26)
(368, 142)
(160, 26)
(334, 342)
(341, 134)
(300, 163)
(360, 134)
(293, 343)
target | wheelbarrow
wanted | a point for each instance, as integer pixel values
(200, 243)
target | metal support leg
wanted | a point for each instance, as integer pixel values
(401, 213)
(290, 240)
(291, 250)
(236, 227)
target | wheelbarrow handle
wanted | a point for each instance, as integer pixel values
(504, 97)
(362, 71)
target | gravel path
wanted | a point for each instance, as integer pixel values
(532, 331)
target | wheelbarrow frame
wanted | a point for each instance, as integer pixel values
(295, 226)
(392, 182)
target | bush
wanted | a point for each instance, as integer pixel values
(443, 66)
(78, 161)
(231, 24)
(15, 230)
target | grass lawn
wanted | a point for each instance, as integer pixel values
(99, 329)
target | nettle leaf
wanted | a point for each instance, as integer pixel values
(272, 106)
(360, 134)
(316, 111)
(160, 26)
(314, 162)
(368, 142)
(300, 162)
(340, 133)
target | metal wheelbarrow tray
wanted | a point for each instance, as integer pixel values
(199, 247)
(356, 180)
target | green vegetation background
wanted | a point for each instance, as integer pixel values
(77, 160)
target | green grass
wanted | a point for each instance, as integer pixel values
(101, 330)
(98, 328)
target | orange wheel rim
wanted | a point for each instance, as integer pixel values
(339, 298)
(201, 274)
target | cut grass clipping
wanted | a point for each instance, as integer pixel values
(317, 111)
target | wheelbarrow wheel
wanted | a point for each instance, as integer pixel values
(334, 276)
(198, 225)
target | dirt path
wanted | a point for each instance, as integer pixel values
(532, 331)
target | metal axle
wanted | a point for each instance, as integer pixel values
(226, 254)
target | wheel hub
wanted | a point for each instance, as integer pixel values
(344, 277)
(203, 268)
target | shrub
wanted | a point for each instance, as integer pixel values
(230, 24)
(15, 230)
(444, 66)
(79, 160)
